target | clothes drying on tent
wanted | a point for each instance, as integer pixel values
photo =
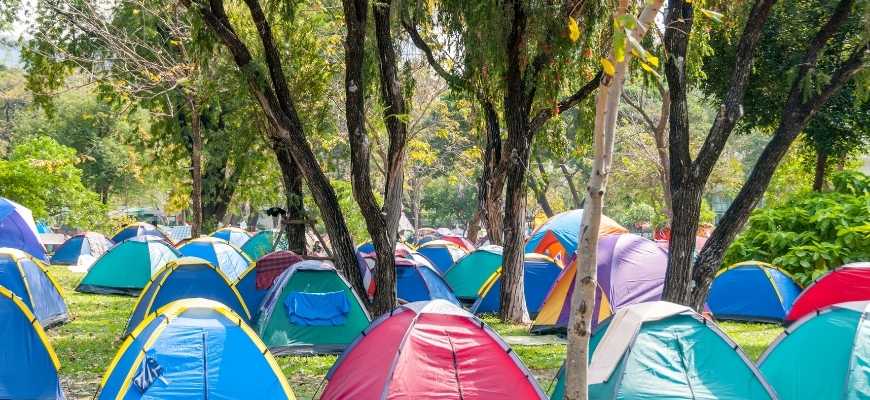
(459, 241)
(255, 282)
(18, 230)
(311, 309)
(417, 280)
(429, 350)
(259, 245)
(850, 282)
(752, 291)
(631, 270)
(235, 236)
(139, 229)
(539, 273)
(442, 253)
(558, 237)
(468, 275)
(128, 266)
(220, 253)
(29, 367)
(824, 355)
(661, 350)
(184, 278)
(193, 349)
(81, 250)
(28, 278)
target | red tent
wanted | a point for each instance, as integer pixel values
(850, 282)
(430, 350)
(460, 241)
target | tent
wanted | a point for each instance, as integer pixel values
(128, 266)
(28, 278)
(539, 273)
(471, 272)
(184, 278)
(631, 270)
(752, 291)
(226, 257)
(139, 229)
(311, 309)
(255, 282)
(417, 279)
(17, 229)
(429, 350)
(442, 253)
(824, 355)
(558, 237)
(259, 245)
(459, 241)
(236, 236)
(193, 349)
(661, 350)
(369, 248)
(81, 250)
(850, 282)
(29, 367)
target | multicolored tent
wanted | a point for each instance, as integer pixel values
(471, 272)
(193, 349)
(850, 282)
(139, 229)
(18, 230)
(29, 279)
(220, 253)
(185, 278)
(442, 253)
(81, 250)
(29, 367)
(235, 236)
(558, 237)
(459, 241)
(539, 273)
(427, 351)
(824, 355)
(259, 245)
(417, 280)
(128, 266)
(631, 270)
(311, 309)
(255, 282)
(752, 291)
(661, 350)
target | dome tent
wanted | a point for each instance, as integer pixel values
(18, 230)
(235, 236)
(558, 237)
(255, 282)
(752, 291)
(850, 282)
(539, 273)
(193, 348)
(408, 353)
(220, 253)
(471, 272)
(665, 350)
(128, 266)
(139, 229)
(186, 277)
(311, 309)
(442, 253)
(417, 279)
(27, 278)
(459, 241)
(30, 367)
(824, 355)
(81, 250)
(259, 245)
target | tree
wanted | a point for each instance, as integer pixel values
(688, 284)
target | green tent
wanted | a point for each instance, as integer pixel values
(661, 350)
(468, 275)
(824, 355)
(311, 309)
(127, 266)
(259, 245)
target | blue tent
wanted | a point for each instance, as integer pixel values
(417, 280)
(193, 349)
(220, 253)
(28, 279)
(29, 367)
(139, 229)
(17, 229)
(186, 277)
(236, 236)
(82, 249)
(539, 272)
(752, 291)
(442, 253)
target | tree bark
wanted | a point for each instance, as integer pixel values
(821, 166)
(569, 178)
(291, 181)
(491, 184)
(539, 187)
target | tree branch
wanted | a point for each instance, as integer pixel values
(565, 104)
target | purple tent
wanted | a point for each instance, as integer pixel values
(631, 270)
(17, 229)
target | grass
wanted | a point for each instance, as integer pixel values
(88, 342)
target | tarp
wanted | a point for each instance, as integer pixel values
(139, 229)
(442, 254)
(29, 279)
(235, 236)
(220, 253)
(558, 237)
(317, 309)
(539, 273)
(468, 275)
(850, 282)
(426, 351)
(81, 250)
(752, 291)
(18, 230)
(128, 266)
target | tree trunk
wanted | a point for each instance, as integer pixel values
(291, 180)
(540, 188)
(569, 178)
(821, 166)
(472, 229)
(491, 183)
(195, 169)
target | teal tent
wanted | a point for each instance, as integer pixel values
(128, 266)
(470, 273)
(259, 245)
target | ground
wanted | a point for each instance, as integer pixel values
(87, 343)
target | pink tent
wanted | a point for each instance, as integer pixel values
(430, 350)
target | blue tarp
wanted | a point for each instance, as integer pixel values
(317, 309)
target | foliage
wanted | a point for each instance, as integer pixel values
(448, 204)
(811, 233)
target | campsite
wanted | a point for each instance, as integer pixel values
(434, 200)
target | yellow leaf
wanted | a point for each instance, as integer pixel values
(573, 29)
(608, 67)
(619, 45)
(649, 69)
(653, 60)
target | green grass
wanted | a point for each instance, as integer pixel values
(87, 344)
